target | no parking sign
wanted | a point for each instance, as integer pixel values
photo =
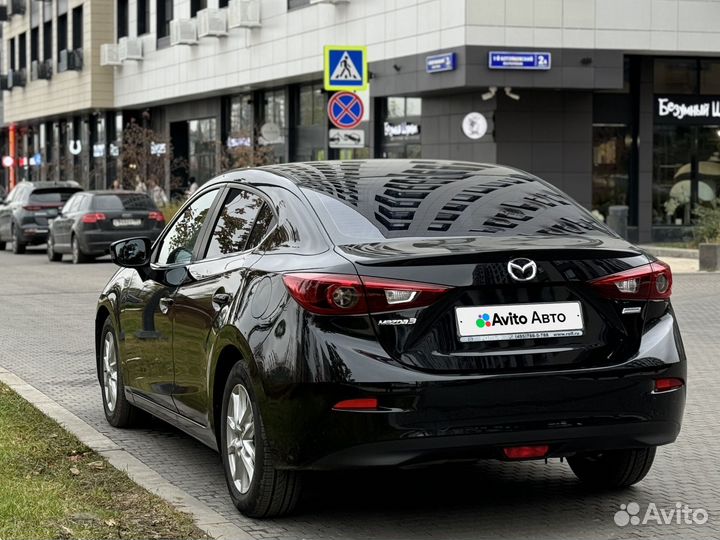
(345, 110)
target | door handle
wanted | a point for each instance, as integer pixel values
(221, 299)
(165, 304)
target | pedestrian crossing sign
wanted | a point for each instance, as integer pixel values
(345, 68)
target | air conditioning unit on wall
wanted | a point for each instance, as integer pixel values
(244, 14)
(212, 22)
(17, 7)
(109, 55)
(41, 69)
(16, 78)
(129, 49)
(72, 60)
(183, 32)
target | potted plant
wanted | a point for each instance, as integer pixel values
(707, 233)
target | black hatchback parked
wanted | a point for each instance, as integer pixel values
(92, 220)
(26, 213)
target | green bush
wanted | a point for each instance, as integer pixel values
(707, 229)
(169, 210)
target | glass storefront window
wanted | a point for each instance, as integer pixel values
(395, 107)
(671, 163)
(273, 129)
(687, 171)
(710, 77)
(312, 105)
(203, 148)
(310, 128)
(241, 115)
(413, 106)
(675, 76)
(401, 128)
(275, 107)
(611, 160)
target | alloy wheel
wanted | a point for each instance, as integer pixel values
(240, 431)
(110, 374)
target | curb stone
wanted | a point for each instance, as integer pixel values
(206, 519)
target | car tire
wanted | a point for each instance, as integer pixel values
(614, 469)
(2, 246)
(78, 257)
(18, 246)
(267, 491)
(119, 412)
(53, 256)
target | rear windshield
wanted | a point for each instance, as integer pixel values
(52, 195)
(374, 209)
(130, 201)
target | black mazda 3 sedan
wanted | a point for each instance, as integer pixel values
(329, 315)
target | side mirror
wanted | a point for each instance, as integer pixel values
(131, 253)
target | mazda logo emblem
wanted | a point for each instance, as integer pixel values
(522, 269)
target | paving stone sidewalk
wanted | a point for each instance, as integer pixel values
(46, 337)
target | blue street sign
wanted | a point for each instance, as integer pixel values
(440, 62)
(519, 60)
(345, 68)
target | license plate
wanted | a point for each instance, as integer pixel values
(519, 321)
(127, 222)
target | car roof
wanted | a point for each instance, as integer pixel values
(380, 170)
(341, 175)
(115, 192)
(51, 184)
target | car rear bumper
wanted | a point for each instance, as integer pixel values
(98, 242)
(32, 233)
(465, 418)
(439, 449)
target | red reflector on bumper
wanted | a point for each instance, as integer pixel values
(365, 404)
(665, 385)
(526, 452)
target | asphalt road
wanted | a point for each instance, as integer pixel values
(46, 337)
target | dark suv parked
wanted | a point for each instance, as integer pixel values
(92, 220)
(26, 212)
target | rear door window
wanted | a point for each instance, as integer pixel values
(120, 203)
(72, 204)
(263, 224)
(234, 224)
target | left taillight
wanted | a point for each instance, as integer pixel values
(94, 217)
(156, 216)
(341, 294)
(648, 282)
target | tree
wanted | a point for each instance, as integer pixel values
(146, 154)
(242, 151)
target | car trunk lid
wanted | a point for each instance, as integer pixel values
(447, 336)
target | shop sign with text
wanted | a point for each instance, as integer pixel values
(687, 109)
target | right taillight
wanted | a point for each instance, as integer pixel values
(93, 217)
(648, 282)
(341, 294)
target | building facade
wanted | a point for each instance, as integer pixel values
(617, 102)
